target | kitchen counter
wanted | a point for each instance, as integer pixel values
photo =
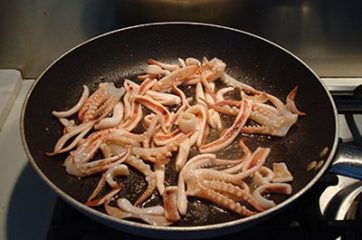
(26, 203)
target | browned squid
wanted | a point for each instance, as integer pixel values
(151, 124)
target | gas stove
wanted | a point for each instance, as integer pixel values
(330, 210)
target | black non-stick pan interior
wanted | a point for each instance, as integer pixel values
(123, 54)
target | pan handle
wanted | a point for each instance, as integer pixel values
(348, 161)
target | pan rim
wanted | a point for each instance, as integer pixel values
(208, 227)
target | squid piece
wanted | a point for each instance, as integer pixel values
(187, 122)
(281, 173)
(231, 133)
(275, 121)
(130, 85)
(133, 110)
(159, 155)
(240, 162)
(133, 120)
(124, 137)
(177, 77)
(192, 61)
(223, 108)
(116, 212)
(181, 195)
(258, 98)
(193, 138)
(160, 177)
(234, 192)
(79, 131)
(220, 94)
(76, 107)
(213, 69)
(185, 104)
(192, 170)
(214, 118)
(69, 125)
(201, 114)
(215, 175)
(209, 86)
(145, 86)
(151, 215)
(183, 154)
(250, 166)
(148, 119)
(166, 66)
(150, 177)
(263, 176)
(282, 188)
(116, 143)
(229, 80)
(106, 149)
(103, 200)
(170, 204)
(199, 94)
(115, 171)
(108, 177)
(164, 98)
(181, 62)
(157, 108)
(89, 168)
(255, 161)
(197, 161)
(100, 103)
(155, 70)
(156, 220)
(201, 160)
(291, 102)
(113, 121)
(131, 89)
(125, 205)
(198, 190)
(161, 138)
(87, 148)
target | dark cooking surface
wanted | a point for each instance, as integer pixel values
(123, 54)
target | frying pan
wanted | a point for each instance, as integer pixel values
(122, 54)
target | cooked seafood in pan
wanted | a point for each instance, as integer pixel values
(177, 117)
